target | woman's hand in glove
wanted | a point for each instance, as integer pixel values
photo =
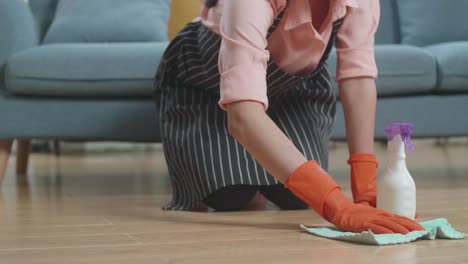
(357, 218)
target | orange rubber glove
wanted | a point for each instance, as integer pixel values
(314, 186)
(363, 174)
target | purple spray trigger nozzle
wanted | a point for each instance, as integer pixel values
(404, 130)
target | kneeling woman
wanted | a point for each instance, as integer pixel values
(247, 105)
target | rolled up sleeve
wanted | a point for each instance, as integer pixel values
(243, 56)
(355, 41)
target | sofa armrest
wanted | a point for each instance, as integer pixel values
(18, 31)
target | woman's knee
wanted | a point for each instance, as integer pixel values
(282, 197)
(231, 198)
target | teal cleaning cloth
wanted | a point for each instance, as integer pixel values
(437, 228)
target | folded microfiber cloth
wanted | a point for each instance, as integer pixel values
(437, 228)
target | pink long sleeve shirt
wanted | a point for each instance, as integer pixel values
(296, 46)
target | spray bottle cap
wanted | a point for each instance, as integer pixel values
(402, 129)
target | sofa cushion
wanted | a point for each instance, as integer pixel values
(426, 22)
(43, 11)
(118, 69)
(389, 28)
(109, 21)
(452, 62)
(17, 32)
(403, 70)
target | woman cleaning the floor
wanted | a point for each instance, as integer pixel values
(247, 106)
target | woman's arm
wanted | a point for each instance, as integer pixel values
(260, 136)
(356, 72)
(359, 98)
(249, 124)
(243, 62)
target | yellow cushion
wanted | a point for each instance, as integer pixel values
(182, 12)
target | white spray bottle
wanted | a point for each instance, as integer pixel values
(396, 190)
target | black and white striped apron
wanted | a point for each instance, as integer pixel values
(201, 155)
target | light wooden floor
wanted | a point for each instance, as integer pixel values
(105, 208)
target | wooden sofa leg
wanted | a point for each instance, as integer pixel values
(5, 149)
(22, 156)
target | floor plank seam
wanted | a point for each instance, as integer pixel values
(134, 239)
(70, 247)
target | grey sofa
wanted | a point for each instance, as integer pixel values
(72, 91)
(422, 57)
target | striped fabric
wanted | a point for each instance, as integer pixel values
(201, 156)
